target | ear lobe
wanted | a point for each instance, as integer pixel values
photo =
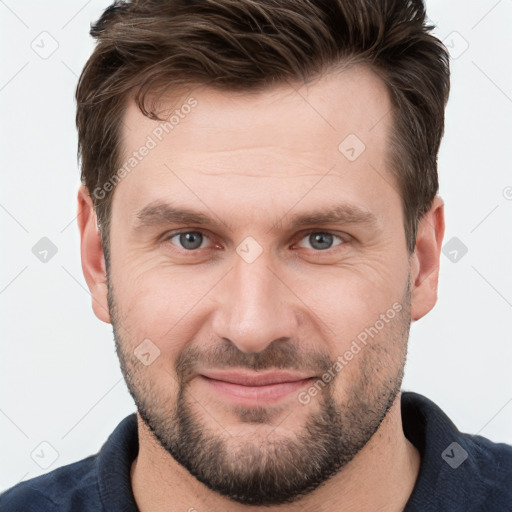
(425, 260)
(92, 256)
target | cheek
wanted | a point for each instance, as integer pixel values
(347, 300)
(161, 304)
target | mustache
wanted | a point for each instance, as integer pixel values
(278, 355)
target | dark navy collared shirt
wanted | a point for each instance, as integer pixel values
(458, 473)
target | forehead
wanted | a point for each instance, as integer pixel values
(351, 99)
(214, 142)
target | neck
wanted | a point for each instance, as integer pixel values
(380, 478)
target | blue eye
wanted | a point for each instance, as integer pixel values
(194, 240)
(189, 240)
(320, 240)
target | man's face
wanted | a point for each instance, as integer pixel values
(254, 289)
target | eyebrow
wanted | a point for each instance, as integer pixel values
(339, 214)
(159, 213)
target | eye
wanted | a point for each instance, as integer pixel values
(320, 240)
(193, 240)
(188, 240)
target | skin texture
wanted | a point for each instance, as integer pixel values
(252, 162)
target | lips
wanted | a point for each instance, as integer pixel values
(253, 379)
(251, 388)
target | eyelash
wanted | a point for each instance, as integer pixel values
(171, 235)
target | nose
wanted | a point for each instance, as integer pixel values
(255, 306)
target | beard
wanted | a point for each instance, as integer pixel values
(275, 469)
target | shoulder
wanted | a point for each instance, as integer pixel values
(491, 465)
(459, 471)
(60, 489)
(96, 483)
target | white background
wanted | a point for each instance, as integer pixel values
(61, 382)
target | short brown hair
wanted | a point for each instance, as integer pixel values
(147, 46)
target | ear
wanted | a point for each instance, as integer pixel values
(91, 251)
(425, 260)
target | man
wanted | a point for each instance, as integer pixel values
(260, 224)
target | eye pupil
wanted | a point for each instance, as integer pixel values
(191, 240)
(323, 239)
